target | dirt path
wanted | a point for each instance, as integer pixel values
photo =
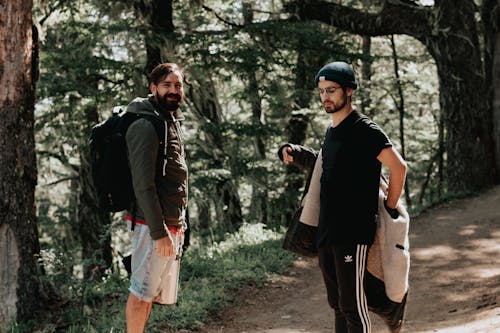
(454, 280)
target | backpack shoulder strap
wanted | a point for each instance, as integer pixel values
(161, 128)
(159, 125)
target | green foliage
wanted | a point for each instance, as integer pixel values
(87, 66)
(211, 278)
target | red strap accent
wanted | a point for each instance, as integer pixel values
(137, 221)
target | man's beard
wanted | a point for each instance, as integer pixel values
(169, 105)
(335, 108)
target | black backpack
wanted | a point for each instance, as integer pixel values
(109, 162)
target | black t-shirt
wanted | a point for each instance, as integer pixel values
(350, 181)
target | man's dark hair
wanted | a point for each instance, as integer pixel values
(162, 70)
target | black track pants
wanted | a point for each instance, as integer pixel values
(343, 267)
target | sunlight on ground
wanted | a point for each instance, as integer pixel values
(436, 252)
(486, 322)
(488, 246)
(487, 272)
(285, 330)
(468, 230)
(443, 217)
(487, 243)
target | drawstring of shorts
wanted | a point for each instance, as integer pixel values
(165, 150)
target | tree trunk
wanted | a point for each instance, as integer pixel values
(297, 132)
(204, 105)
(259, 174)
(94, 224)
(490, 16)
(366, 76)
(448, 29)
(159, 15)
(308, 64)
(401, 107)
(204, 226)
(463, 98)
(496, 103)
(21, 292)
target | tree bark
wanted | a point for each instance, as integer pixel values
(308, 63)
(490, 16)
(21, 292)
(159, 15)
(448, 30)
(496, 103)
(366, 76)
(93, 223)
(204, 105)
(401, 107)
(259, 174)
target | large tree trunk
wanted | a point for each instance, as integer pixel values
(20, 291)
(490, 16)
(448, 29)
(463, 98)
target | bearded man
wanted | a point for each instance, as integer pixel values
(159, 177)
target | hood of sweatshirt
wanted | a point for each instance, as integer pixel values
(141, 105)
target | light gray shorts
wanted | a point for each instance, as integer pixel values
(152, 275)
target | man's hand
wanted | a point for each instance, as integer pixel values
(287, 157)
(165, 246)
(393, 212)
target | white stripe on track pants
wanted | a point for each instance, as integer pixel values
(343, 267)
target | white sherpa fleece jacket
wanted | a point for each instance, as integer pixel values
(389, 257)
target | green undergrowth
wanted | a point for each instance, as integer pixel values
(211, 277)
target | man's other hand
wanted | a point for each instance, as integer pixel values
(287, 157)
(165, 246)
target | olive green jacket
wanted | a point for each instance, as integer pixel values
(159, 170)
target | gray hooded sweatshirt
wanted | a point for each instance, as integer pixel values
(159, 171)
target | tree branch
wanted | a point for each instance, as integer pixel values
(395, 17)
(106, 79)
(60, 181)
(430, 167)
(208, 9)
(51, 10)
(60, 157)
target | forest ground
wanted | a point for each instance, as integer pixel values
(454, 280)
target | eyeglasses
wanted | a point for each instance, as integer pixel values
(329, 90)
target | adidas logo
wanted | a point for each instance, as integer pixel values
(348, 258)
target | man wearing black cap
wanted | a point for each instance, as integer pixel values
(352, 154)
